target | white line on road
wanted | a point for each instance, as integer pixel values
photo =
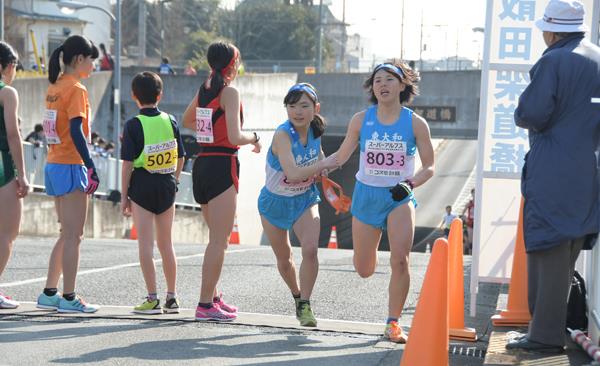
(120, 266)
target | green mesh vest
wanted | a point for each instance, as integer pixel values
(160, 147)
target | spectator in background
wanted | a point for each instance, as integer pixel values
(469, 219)
(106, 61)
(99, 146)
(95, 138)
(165, 68)
(447, 220)
(189, 69)
(41, 63)
(109, 149)
(36, 137)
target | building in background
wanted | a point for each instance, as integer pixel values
(50, 27)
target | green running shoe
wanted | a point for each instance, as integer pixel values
(148, 307)
(306, 316)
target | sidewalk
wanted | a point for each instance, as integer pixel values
(497, 355)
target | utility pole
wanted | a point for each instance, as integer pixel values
(320, 37)
(402, 32)
(117, 92)
(1, 20)
(421, 44)
(141, 31)
(344, 36)
(456, 59)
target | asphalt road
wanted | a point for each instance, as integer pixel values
(266, 333)
(110, 275)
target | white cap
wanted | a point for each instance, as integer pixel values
(562, 16)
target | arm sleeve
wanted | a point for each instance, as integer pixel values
(79, 141)
(177, 134)
(133, 140)
(538, 100)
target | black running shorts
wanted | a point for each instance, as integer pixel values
(213, 174)
(153, 192)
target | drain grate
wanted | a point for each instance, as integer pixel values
(467, 351)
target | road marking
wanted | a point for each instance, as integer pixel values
(595, 100)
(120, 266)
(278, 321)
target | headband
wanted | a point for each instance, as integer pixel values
(303, 87)
(390, 67)
(231, 62)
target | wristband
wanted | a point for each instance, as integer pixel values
(256, 137)
(410, 183)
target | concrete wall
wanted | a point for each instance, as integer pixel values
(104, 220)
(452, 88)
(32, 98)
(342, 95)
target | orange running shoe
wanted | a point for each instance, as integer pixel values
(394, 333)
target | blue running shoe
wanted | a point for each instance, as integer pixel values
(76, 306)
(48, 302)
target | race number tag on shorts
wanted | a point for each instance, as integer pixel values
(298, 187)
(204, 127)
(385, 158)
(161, 158)
(49, 125)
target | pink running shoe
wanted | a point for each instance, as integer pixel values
(215, 313)
(228, 308)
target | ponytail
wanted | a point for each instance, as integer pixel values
(220, 56)
(71, 48)
(217, 83)
(318, 125)
(54, 65)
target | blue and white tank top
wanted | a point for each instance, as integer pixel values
(304, 155)
(387, 152)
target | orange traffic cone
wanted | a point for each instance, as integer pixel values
(234, 238)
(428, 338)
(456, 286)
(333, 244)
(133, 233)
(517, 312)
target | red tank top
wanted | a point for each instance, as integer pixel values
(218, 119)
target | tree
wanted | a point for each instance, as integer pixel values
(189, 27)
(271, 29)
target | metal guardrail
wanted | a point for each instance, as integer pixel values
(35, 161)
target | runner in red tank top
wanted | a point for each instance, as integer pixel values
(215, 114)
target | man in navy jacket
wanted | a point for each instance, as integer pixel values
(560, 176)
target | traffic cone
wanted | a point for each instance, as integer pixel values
(428, 338)
(517, 312)
(133, 233)
(234, 238)
(456, 285)
(333, 244)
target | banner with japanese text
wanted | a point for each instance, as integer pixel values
(512, 46)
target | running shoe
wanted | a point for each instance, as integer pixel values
(306, 316)
(228, 308)
(76, 306)
(6, 302)
(215, 313)
(393, 332)
(48, 302)
(171, 306)
(148, 307)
